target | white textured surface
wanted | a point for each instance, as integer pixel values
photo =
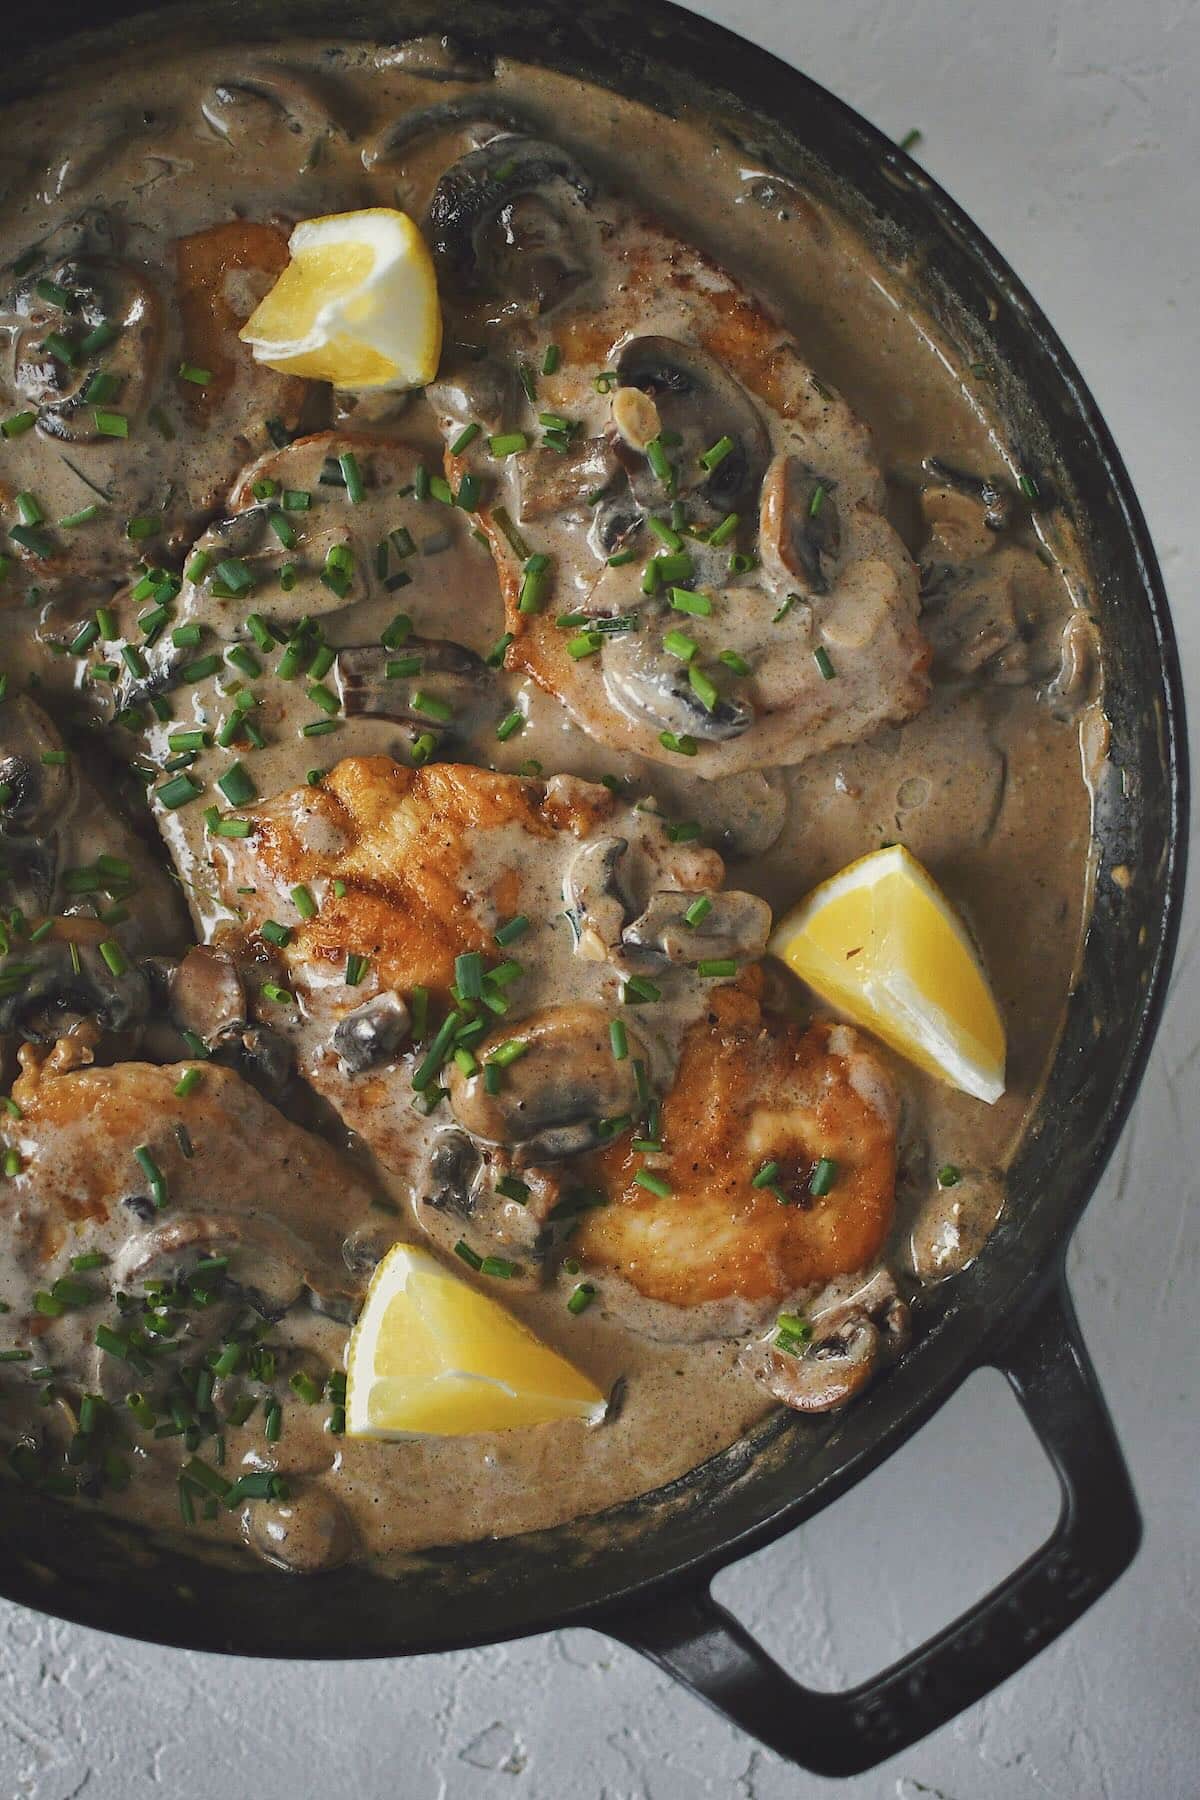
(1070, 131)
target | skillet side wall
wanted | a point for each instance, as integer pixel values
(88, 1568)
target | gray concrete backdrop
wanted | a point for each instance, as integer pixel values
(1071, 131)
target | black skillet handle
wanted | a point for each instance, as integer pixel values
(1097, 1534)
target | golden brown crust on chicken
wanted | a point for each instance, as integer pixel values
(398, 840)
(750, 1092)
(221, 1150)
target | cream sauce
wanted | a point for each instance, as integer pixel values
(986, 786)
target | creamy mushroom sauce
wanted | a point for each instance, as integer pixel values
(138, 168)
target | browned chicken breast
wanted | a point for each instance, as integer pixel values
(526, 999)
(114, 1160)
(689, 527)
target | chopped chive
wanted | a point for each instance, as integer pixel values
(717, 966)
(432, 706)
(656, 456)
(188, 1082)
(586, 644)
(698, 911)
(323, 697)
(352, 476)
(153, 1174)
(665, 533)
(423, 747)
(30, 538)
(178, 792)
(114, 957)
(715, 455)
(823, 1177)
(618, 1037)
(396, 668)
(468, 974)
(303, 901)
(766, 1176)
(511, 723)
(500, 1267)
(535, 576)
(684, 745)
(581, 1298)
(653, 1184)
(508, 443)
(275, 933)
(685, 600)
(679, 644)
(237, 785)
(821, 658)
(272, 991)
(949, 1176)
(639, 988)
(724, 530)
(911, 138)
(441, 490)
(511, 1051)
(467, 497)
(111, 424)
(201, 669)
(466, 436)
(1028, 486)
(198, 377)
(464, 1250)
(703, 687)
(84, 516)
(515, 928)
(86, 636)
(733, 661)
(18, 423)
(356, 968)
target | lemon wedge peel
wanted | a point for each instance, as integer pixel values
(881, 942)
(431, 1356)
(356, 305)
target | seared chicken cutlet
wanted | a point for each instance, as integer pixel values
(689, 527)
(520, 993)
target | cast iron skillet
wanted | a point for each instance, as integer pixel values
(642, 1573)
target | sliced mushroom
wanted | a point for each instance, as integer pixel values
(615, 520)
(799, 529)
(468, 113)
(447, 672)
(95, 138)
(37, 792)
(306, 1533)
(453, 1172)
(699, 405)
(644, 682)
(473, 389)
(552, 1100)
(508, 218)
(550, 481)
(733, 924)
(106, 290)
(596, 905)
(852, 1337)
(988, 490)
(372, 1033)
(207, 996)
(66, 982)
(260, 109)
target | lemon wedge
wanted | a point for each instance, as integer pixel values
(356, 305)
(432, 1356)
(880, 941)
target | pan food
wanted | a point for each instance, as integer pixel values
(547, 754)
